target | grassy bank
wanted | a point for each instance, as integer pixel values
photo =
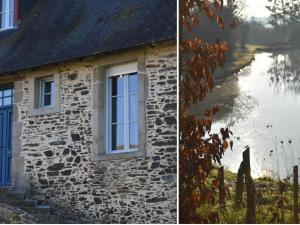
(277, 47)
(225, 96)
(268, 201)
(236, 60)
(240, 57)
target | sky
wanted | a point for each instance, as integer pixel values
(256, 8)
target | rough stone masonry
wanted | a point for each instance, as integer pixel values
(55, 149)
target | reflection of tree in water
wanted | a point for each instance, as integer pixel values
(285, 72)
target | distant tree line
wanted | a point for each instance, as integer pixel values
(282, 27)
(284, 24)
(284, 12)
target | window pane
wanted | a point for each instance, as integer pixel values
(3, 5)
(7, 93)
(52, 86)
(133, 102)
(3, 20)
(133, 83)
(47, 92)
(1, 94)
(118, 137)
(118, 110)
(117, 85)
(11, 18)
(133, 135)
(47, 100)
(52, 99)
(49, 85)
(1, 101)
(7, 101)
(11, 4)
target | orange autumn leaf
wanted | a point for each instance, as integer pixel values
(225, 145)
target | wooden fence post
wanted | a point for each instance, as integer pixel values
(251, 217)
(221, 187)
(281, 205)
(239, 186)
(296, 194)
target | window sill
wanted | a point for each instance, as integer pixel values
(8, 29)
(117, 156)
(44, 111)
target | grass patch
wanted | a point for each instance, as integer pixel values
(241, 57)
(268, 200)
(237, 59)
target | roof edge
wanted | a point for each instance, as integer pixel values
(12, 72)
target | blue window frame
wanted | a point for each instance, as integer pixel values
(6, 97)
(6, 14)
(122, 113)
(47, 92)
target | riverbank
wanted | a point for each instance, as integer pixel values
(268, 202)
(242, 57)
(238, 59)
(277, 47)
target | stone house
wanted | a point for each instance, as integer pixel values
(88, 106)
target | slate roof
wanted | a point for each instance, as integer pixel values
(59, 30)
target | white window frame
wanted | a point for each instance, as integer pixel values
(42, 92)
(34, 86)
(120, 70)
(105, 66)
(8, 24)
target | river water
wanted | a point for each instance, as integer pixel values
(261, 106)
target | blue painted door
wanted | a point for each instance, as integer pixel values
(6, 119)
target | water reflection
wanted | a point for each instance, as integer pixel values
(285, 72)
(261, 105)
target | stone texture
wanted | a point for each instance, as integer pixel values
(14, 215)
(57, 149)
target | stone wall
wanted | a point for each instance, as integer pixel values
(57, 148)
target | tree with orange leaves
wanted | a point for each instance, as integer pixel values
(199, 148)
